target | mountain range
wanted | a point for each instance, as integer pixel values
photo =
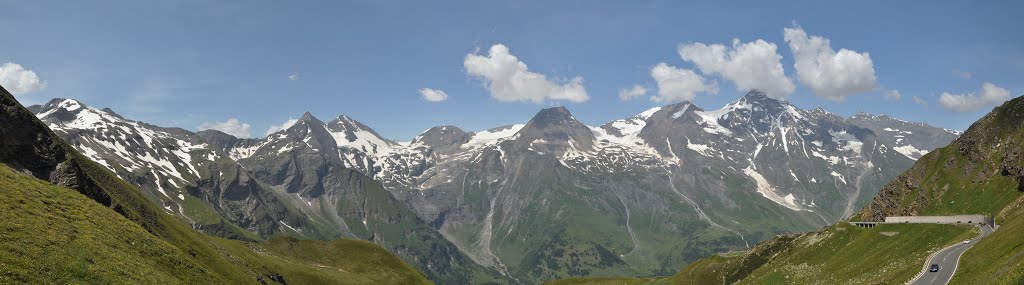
(69, 220)
(526, 203)
(981, 172)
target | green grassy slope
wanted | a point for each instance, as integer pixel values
(56, 235)
(998, 258)
(839, 254)
(846, 254)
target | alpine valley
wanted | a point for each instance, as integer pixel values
(523, 203)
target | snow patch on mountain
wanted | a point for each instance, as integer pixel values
(710, 120)
(910, 151)
(492, 137)
(699, 148)
(771, 193)
(847, 141)
(361, 139)
(130, 144)
(679, 113)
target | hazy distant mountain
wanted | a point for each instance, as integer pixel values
(909, 138)
(555, 197)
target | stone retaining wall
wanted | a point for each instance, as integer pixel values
(961, 219)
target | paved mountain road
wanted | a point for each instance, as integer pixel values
(948, 259)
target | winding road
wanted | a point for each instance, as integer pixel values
(948, 259)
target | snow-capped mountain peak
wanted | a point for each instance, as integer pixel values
(170, 155)
(351, 134)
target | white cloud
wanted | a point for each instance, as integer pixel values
(293, 76)
(962, 74)
(232, 127)
(990, 95)
(287, 124)
(830, 75)
(752, 65)
(18, 80)
(510, 80)
(433, 95)
(920, 101)
(678, 84)
(893, 95)
(632, 92)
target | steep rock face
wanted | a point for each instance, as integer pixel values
(23, 147)
(172, 166)
(27, 145)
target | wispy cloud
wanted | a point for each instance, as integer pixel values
(632, 93)
(232, 127)
(920, 101)
(892, 95)
(433, 95)
(961, 74)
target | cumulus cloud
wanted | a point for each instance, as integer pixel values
(752, 65)
(433, 95)
(961, 74)
(19, 80)
(293, 76)
(893, 95)
(277, 128)
(831, 75)
(632, 92)
(678, 84)
(920, 101)
(232, 127)
(510, 80)
(990, 95)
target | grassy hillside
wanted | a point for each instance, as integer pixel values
(846, 254)
(56, 235)
(998, 258)
(839, 254)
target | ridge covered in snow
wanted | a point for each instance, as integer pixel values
(133, 147)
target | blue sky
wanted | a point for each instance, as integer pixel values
(192, 62)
